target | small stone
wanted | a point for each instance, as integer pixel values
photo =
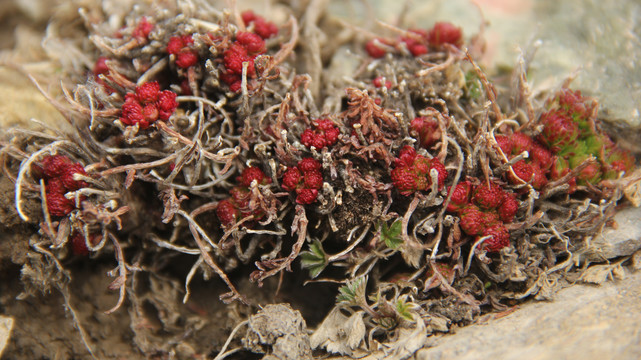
(623, 241)
(279, 332)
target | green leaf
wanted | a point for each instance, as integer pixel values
(353, 293)
(405, 309)
(315, 259)
(473, 85)
(392, 235)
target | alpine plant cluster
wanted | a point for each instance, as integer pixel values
(205, 133)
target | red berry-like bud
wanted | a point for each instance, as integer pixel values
(186, 59)
(180, 47)
(309, 164)
(306, 196)
(227, 212)
(67, 177)
(380, 81)
(253, 173)
(472, 220)
(539, 180)
(559, 130)
(541, 156)
(79, 244)
(505, 144)
(57, 203)
(291, 179)
(55, 165)
(520, 143)
(405, 180)
(248, 16)
(234, 57)
(265, 29)
(143, 29)
(131, 111)
(406, 156)
(313, 179)
(174, 45)
(415, 46)
(508, 208)
(523, 170)
(148, 92)
(445, 33)
(488, 197)
(252, 42)
(500, 238)
(374, 48)
(101, 68)
(460, 196)
(166, 104)
(149, 114)
(426, 130)
(325, 134)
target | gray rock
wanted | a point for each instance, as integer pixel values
(599, 40)
(583, 322)
(623, 240)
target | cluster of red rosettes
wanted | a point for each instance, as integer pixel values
(238, 205)
(263, 28)
(484, 209)
(535, 168)
(58, 173)
(244, 49)
(570, 132)
(147, 104)
(305, 179)
(426, 130)
(324, 134)
(418, 41)
(182, 48)
(412, 172)
(569, 137)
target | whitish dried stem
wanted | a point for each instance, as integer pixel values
(222, 354)
(233, 294)
(476, 244)
(121, 280)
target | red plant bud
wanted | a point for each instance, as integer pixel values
(374, 48)
(508, 208)
(445, 33)
(252, 173)
(460, 196)
(308, 164)
(227, 212)
(291, 178)
(426, 130)
(148, 92)
(500, 238)
(488, 197)
(306, 196)
(472, 220)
